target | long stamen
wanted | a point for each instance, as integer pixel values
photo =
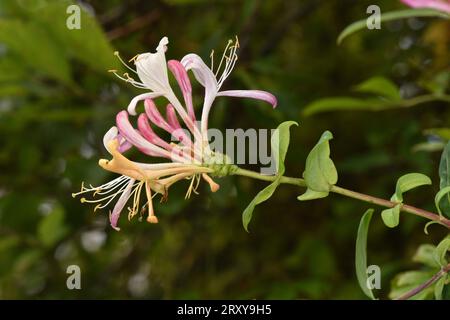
(230, 61)
(212, 59)
(128, 79)
(151, 218)
(116, 53)
(223, 56)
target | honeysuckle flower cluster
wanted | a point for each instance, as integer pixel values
(189, 157)
(442, 5)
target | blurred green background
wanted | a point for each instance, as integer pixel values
(57, 100)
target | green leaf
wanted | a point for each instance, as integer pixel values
(369, 104)
(320, 173)
(262, 196)
(406, 281)
(361, 253)
(391, 217)
(380, 86)
(439, 197)
(444, 176)
(51, 228)
(27, 40)
(344, 103)
(441, 252)
(88, 44)
(389, 16)
(439, 287)
(279, 144)
(428, 146)
(407, 182)
(425, 255)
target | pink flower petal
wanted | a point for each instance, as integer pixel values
(133, 136)
(156, 117)
(148, 133)
(172, 117)
(443, 5)
(153, 114)
(254, 94)
(182, 78)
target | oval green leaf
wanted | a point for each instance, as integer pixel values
(320, 173)
(391, 217)
(407, 182)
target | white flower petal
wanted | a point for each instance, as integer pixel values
(152, 68)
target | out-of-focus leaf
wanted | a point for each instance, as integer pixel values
(439, 287)
(439, 197)
(409, 280)
(10, 70)
(279, 144)
(380, 86)
(87, 44)
(27, 40)
(441, 252)
(439, 84)
(407, 182)
(361, 253)
(444, 176)
(391, 217)
(51, 229)
(369, 104)
(320, 173)
(11, 90)
(389, 16)
(344, 103)
(429, 146)
(425, 255)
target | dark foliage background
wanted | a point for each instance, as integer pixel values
(57, 100)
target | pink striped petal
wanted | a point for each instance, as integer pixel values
(156, 117)
(153, 114)
(180, 74)
(133, 136)
(148, 133)
(172, 117)
(254, 94)
(120, 204)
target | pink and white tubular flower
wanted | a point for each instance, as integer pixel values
(191, 158)
(442, 5)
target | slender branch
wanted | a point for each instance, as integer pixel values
(351, 194)
(426, 284)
